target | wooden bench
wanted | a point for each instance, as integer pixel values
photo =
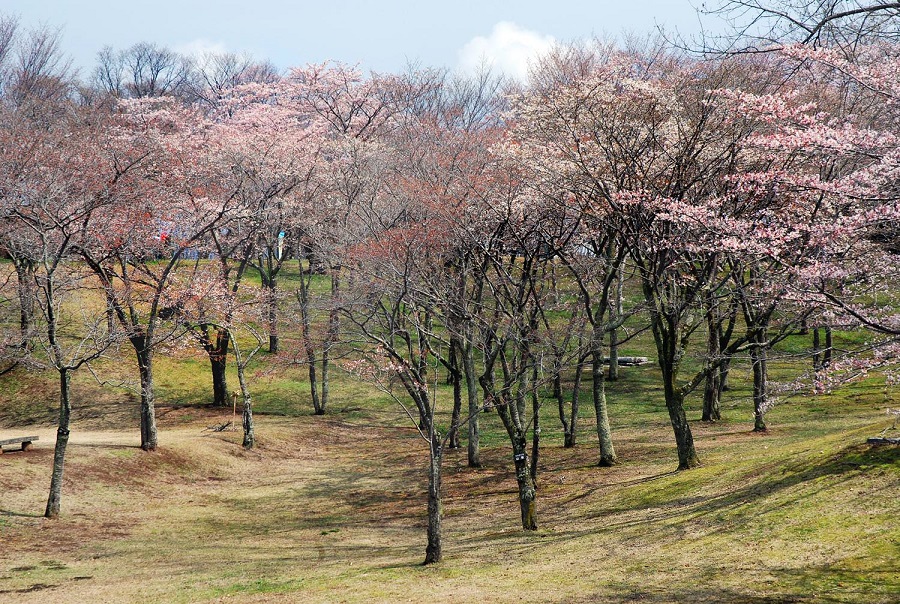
(25, 440)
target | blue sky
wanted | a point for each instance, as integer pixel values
(380, 35)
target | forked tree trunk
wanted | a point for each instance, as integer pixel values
(568, 419)
(59, 451)
(434, 549)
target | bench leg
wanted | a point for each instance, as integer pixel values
(26, 445)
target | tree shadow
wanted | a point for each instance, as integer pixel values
(19, 514)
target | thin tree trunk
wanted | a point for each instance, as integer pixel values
(270, 284)
(25, 290)
(433, 552)
(604, 432)
(615, 308)
(829, 346)
(817, 350)
(454, 374)
(536, 425)
(247, 414)
(724, 372)
(334, 326)
(59, 451)
(711, 392)
(758, 357)
(474, 429)
(569, 439)
(306, 333)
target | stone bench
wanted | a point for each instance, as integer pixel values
(25, 440)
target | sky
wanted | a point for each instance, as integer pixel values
(380, 35)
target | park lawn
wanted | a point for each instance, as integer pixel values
(332, 509)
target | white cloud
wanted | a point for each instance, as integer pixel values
(508, 49)
(199, 47)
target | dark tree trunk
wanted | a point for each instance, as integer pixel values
(433, 552)
(525, 481)
(270, 285)
(684, 439)
(25, 289)
(758, 357)
(218, 360)
(829, 346)
(724, 370)
(331, 338)
(148, 410)
(615, 308)
(604, 432)
(474, 428)
(536, 426)
(455, 377)
(817, 350)
(309, 347)
(712, 389)
(570, 436)
(247, 422)
(569, 420)
(59, 451)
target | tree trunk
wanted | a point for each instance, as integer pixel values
(829, 346)
(615, 308)
(453, 373)
(474, 431)
(271, 298)
(711, 412)
(218, 357)
(309, 347)
(604, 432)
(527, 490)
(724, 370)
(536, 426)
(687, 455)
(59, 451)
(758, 357)
(433, 551)
(817, 350)
(25, 289)
(331, 338)
(148, 410)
